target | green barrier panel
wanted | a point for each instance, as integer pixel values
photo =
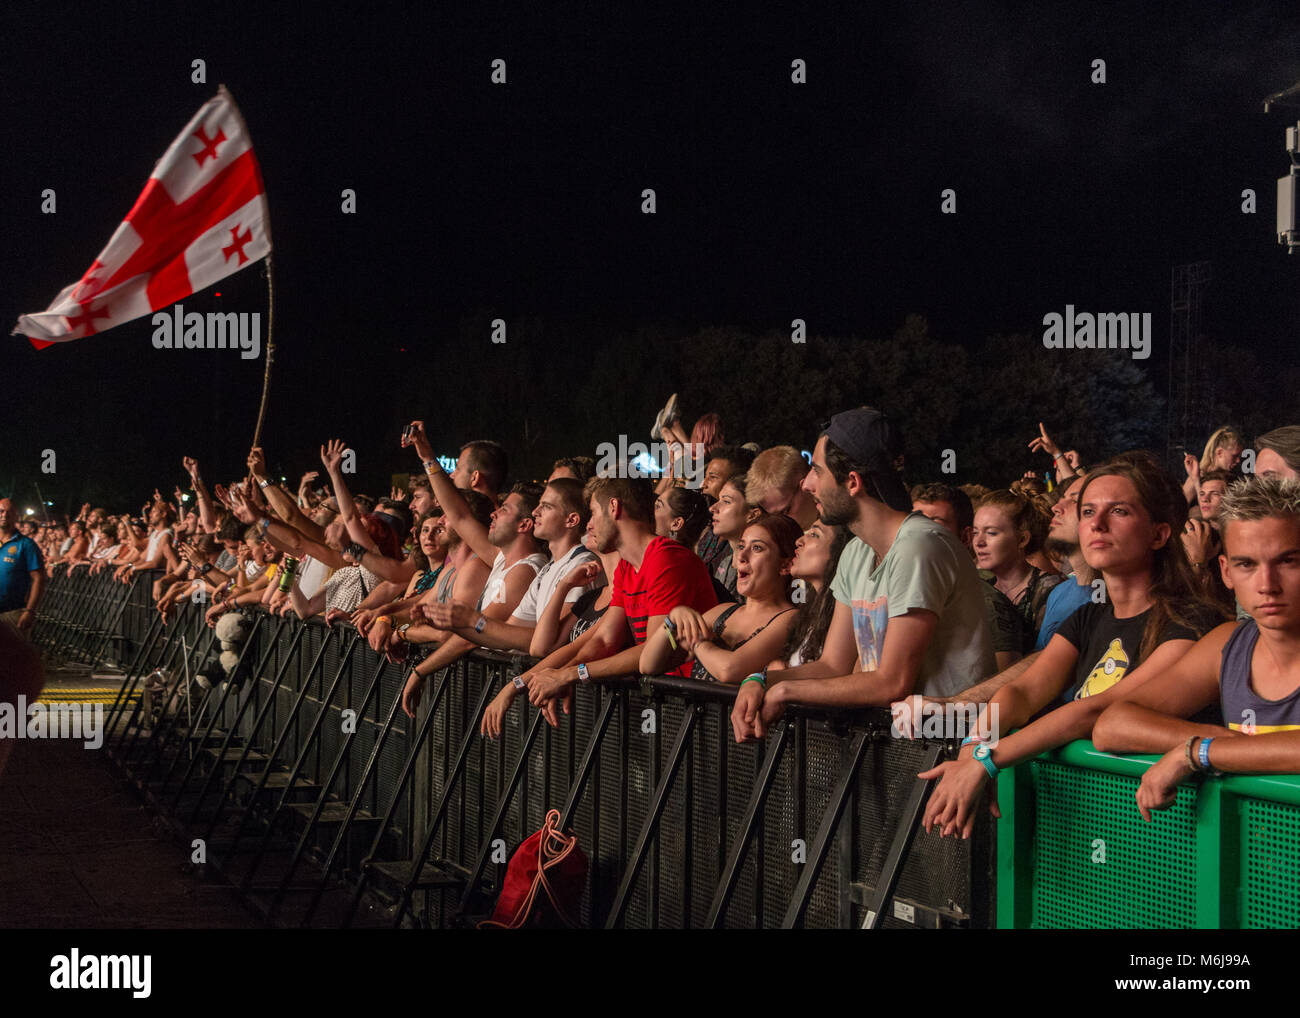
(1073, 851)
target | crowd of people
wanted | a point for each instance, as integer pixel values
(1109, 601)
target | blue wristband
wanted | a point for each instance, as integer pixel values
(1203, 755)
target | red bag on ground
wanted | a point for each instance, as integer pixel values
(544, 881)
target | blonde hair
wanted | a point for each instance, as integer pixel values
(1259, 498)
(1224, 436)
(779, 468)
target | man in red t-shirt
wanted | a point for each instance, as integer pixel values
(654, 575)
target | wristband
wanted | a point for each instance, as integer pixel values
(264, 523)
(583, 674)
(519, 682)
(356, 551)
(480, 624)
(263, 484)
(1189, 753)
(756, 677)
(431, 466)
(385, 618)
(980, 739)
(1203, 756)
(205, 568)
(670, 627)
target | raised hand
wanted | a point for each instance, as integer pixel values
(257, 461)
(191, 466)
(307, 478)
(421, 441)
(1044, 443)
(331, 454)
(242, 510)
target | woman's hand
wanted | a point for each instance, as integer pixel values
(1193, 467)
(581, 575)
(691, 627)
(952, 803)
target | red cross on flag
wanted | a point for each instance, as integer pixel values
(201, 216)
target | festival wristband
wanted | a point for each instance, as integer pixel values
(583, 674)
(480, 624)
(432, 467)
(974, 738)
(756, 677)
(1203, 756)
(670, 627)
(519, 682)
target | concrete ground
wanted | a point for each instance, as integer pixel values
(78, 850)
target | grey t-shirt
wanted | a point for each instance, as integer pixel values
(926, 567)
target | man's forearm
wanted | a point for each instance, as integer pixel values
(982, 692)
(1268, 753)
(859, 689)
(498, 635)
(1132, 728)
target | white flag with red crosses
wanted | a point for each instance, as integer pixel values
(201, 216)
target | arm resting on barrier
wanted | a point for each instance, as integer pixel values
(1150, 720)
(900, 666)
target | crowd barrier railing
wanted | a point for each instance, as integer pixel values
(312, 791)
(1074, 852)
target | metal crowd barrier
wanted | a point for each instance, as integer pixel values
(1075, 853)
(312, 792)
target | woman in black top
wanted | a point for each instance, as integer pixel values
(1130, 517)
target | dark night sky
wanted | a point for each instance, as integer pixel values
(775, 201)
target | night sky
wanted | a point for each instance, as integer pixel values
(775, 200)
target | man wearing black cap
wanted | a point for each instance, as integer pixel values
(909, 613)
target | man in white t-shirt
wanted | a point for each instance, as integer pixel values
(909, 612)
(560, 519)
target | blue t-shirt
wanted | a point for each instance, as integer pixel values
(1064, 600)
(19, 557)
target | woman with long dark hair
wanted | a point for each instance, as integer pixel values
(817, 556)
(1131, 516)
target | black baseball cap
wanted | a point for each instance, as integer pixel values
(868, 438)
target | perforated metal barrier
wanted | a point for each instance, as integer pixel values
(1075, 852)
(311, 783)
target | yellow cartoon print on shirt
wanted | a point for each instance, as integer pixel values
(1106, 672)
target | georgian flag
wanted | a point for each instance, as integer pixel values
(201, 216)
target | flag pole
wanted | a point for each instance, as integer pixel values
(270, 349)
